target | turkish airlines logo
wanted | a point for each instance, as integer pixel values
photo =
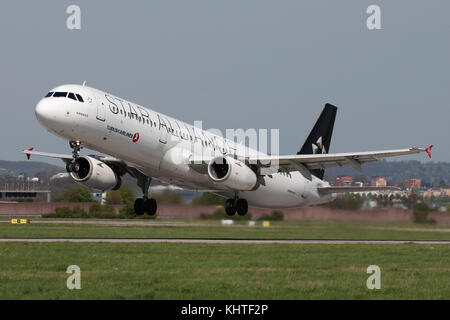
(136, 137)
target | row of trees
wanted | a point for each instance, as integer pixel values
(125, 196)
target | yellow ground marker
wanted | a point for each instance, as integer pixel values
(20, 221)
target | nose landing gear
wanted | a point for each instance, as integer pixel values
(73, 166)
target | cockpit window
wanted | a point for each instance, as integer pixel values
(59, 94)
(79, 98)
(70, 95)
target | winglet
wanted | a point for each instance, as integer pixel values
(428, 150)
(28, 155)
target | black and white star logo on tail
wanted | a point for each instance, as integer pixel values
(318, 147)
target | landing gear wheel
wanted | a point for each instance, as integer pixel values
(139, 206)
(150, 206)
(74, 166)
(242, 207)
(69, 167)
(230, 207)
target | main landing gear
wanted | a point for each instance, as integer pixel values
(236, 205)
(144, 204)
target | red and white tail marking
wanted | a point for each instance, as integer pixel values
(28, 155)
(428, 150)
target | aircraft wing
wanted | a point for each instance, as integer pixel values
(306, 162)
(329, 190)
(67, 157)
(118, 165)
(63, 157)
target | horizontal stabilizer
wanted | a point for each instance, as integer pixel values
(329, 190)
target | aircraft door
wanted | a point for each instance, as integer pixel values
(163, 129)
(101, 109)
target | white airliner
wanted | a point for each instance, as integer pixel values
(147, 144)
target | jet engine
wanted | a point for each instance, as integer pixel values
(232, 173)
(95, 174)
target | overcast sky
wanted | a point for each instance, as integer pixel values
(238, 64)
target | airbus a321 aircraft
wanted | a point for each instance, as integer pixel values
(147, 144)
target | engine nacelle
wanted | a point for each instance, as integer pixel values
(232, 173)
(95, 174)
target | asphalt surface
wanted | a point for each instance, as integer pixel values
(148, 223)
(225, 241)
(159, 223)
(141, 223)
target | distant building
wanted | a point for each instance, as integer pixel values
(344, 181)
(436, 193)
(378, 182)
(24, 191)
(413, 183)
(61, 175)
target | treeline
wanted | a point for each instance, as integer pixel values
(30, 168)
(97, 211)
(126, 196)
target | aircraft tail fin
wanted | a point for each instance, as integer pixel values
(318, 140)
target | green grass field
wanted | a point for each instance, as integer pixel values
(278, 230)
(226, 271)
(223, 271)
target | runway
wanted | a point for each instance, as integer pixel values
(139, 223)
(152, 223)
(226, 241)
(145, 223)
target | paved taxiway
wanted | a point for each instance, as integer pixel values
(140, 223)
(119, 223)
(225, 241)
(169, 223)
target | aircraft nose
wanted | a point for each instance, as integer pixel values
(44, 112)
